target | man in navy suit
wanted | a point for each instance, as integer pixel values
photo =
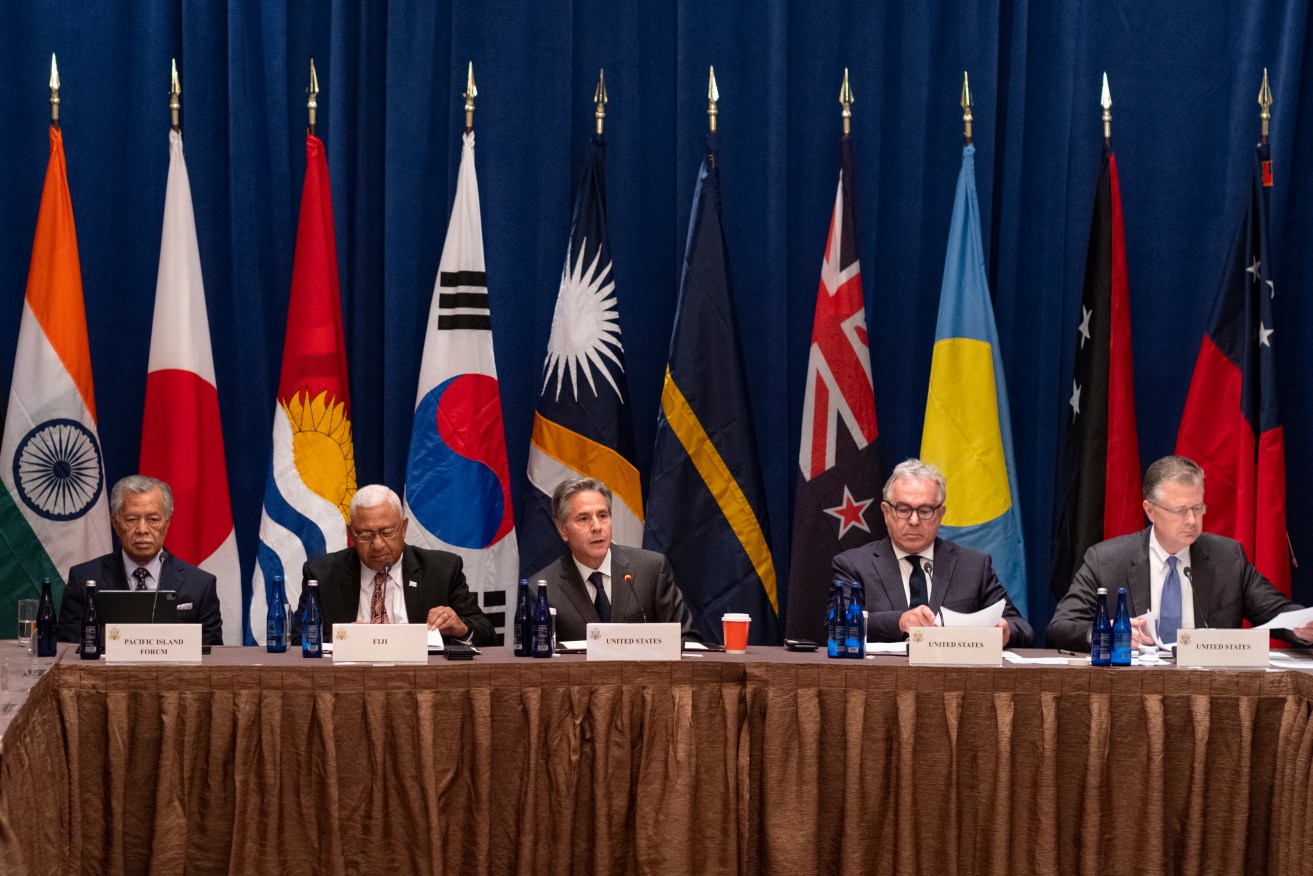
(140, 509)
(598, 581)
(913, 573)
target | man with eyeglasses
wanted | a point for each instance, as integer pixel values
(1188, 577)
(384, 580)
(910, 575)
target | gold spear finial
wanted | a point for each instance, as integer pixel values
(846, 100)
(1265, 101)
(1106, 102)
(313, 103)
(470, 93)
(713, 95)
(967, 103)
(175, 94)
(599, 98)
(54, 91)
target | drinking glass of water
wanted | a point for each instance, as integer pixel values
(26, 621)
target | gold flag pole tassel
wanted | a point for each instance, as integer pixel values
(967, 104)
(713, 95)
(1265, 103)
(846, 100)
(313, 103)
(54, 92)
(175, 96)
(1106, 102)
(599, 98)
(471, 92)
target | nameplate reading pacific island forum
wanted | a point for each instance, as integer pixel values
(380, 643)
(955, 646)
(633, 642)
(152, 643)
(1210, 647)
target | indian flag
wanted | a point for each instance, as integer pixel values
(53, 508)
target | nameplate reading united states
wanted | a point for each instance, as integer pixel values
(955, 646)
(1210, 647)
(153, 643)
(380, 643)
(633, 642)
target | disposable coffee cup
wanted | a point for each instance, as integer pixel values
(736, 632)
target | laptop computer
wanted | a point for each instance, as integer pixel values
(137, 606)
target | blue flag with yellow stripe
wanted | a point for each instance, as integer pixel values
(706, 508)
(968, 430)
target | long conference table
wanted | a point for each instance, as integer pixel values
(771, 762)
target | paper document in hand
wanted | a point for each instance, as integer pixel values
(435, 640)
(986, 617)
(1289, 620)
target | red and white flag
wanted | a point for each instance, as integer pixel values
(181, 435)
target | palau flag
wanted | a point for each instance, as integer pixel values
(1098, 485)
(54, 510)
(1232, 420)
(312, 470)
(582, 427)
(181, 433)
(968, 429)
(836, 504)
(706, 506)
(458, 485)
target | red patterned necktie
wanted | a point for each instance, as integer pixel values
(378, 614)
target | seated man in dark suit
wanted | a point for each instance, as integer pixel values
(913, 573)
(1188, 577)
(597, 581)
(384, 580)
(140, 509)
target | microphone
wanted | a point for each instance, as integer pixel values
(629, 579)
(928, 567)
(1197, 607)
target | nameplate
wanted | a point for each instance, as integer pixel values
(633, 642)
(955, 646)
(153, 643)
(380, 643)
(1210, 647)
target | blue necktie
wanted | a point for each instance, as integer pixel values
(600, 602)
(1170, 604)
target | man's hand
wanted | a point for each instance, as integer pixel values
(1140, 632)
(1007, 630)
(1305, 632)
(444, 620)
(921, 616)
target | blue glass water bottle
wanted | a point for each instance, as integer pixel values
(836, 622)
(540, 641)
(855, 633)
(1101, 632)
(523, 619)
(275, 632)
(312, 623)
(1121, 632)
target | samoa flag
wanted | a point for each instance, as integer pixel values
(458, 485)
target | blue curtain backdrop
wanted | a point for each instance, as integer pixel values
(1184, 79)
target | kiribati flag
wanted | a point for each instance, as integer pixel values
(1232, 421)
(706, 508)
(582, 427)
(312, 471)
(458, 485)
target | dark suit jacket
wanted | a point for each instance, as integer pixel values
(963, 580)
(195, 587)
(1227, 588)
(439, 579)
(653, 598)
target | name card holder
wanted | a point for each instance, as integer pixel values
(380, 643)
(955, 646)
(1210, 647)
(633, 642)
(153, 643)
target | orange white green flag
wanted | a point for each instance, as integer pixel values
(53, 508)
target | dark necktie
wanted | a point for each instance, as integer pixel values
(916, 583)
(600, 602)
(141, 575)
(378, 613)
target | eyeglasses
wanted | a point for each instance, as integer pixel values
(1197, 510)
(369, 534)
(904, 512)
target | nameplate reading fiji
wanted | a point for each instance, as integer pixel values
(955, 646)
(152, 643)
(380, 643)
(1210, 647)
(633, 642)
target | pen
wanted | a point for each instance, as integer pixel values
(1069, 653)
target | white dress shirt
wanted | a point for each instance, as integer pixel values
(604, 568)
(394, 598)
(1158, 570)
(152, 568)
(905, 569)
